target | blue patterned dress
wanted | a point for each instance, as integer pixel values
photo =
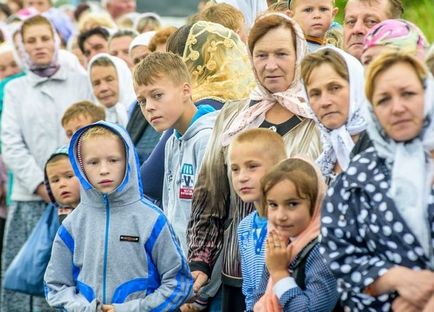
(364, 235)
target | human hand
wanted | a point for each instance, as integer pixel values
(108, 308)
(415, 287)
(41, 191)
(430, 305)
(200, 279)
(402, 305)
(188, 307)
(277, 256)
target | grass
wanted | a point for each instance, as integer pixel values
(420, 12)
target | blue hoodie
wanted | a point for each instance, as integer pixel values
(116, 248)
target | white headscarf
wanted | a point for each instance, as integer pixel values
(142, 16)
(411, 170)
(293, 99)
(126, 94)
(337, 143)
(141, 40)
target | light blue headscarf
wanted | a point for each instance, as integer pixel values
(411, 170)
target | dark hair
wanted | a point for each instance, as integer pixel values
(81, 8)
(177, 41)
(5, 9)
(99, 31)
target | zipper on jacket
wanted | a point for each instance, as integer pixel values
(107, 227)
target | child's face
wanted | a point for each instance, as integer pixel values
(105, 84)
(163, 103)
(76, 123)
(104, 162)
(63, 182)
(248, 165)
(286, 211)
(314, 16)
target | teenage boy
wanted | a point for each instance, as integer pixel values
(116, 251)
(251, 155)
(314, 18)
(163, 90)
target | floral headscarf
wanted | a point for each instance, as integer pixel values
(397, 33)
(218, 62)
(293, 99)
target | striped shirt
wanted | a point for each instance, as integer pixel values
(321, 288)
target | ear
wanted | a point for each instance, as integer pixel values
(187, 90)
(335, 12)
(290, 13)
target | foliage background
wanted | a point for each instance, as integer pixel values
(420, 12)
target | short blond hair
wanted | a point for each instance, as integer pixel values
(267, 141)
(386, 60)
(223, 14)
(83, 108)
(293, 3)
(161, 64)
(97, 131)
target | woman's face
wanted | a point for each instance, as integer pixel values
(39, 44)
(328, 96)
(105, 84)
(274, 58)
(370, 54)
(398, 102)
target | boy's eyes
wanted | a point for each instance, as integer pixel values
(91, 162)
(234, 169)
(157, 96)
(141, 102)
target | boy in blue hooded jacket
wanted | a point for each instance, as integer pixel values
(116, 250)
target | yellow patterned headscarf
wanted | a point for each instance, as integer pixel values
(218, 62)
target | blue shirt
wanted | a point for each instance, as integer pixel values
(321, 288)
(252, 232)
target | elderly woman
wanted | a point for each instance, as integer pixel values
(395, 35)
(31, 131)
(277, 46)
(378, 218)
(334, 85)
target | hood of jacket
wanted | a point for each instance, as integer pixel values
(202, 119)
(63, 150)
(128, 191)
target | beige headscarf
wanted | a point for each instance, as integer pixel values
(218, 62)
(293, 99)
(269, 301)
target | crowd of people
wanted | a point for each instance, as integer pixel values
(260, 157)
